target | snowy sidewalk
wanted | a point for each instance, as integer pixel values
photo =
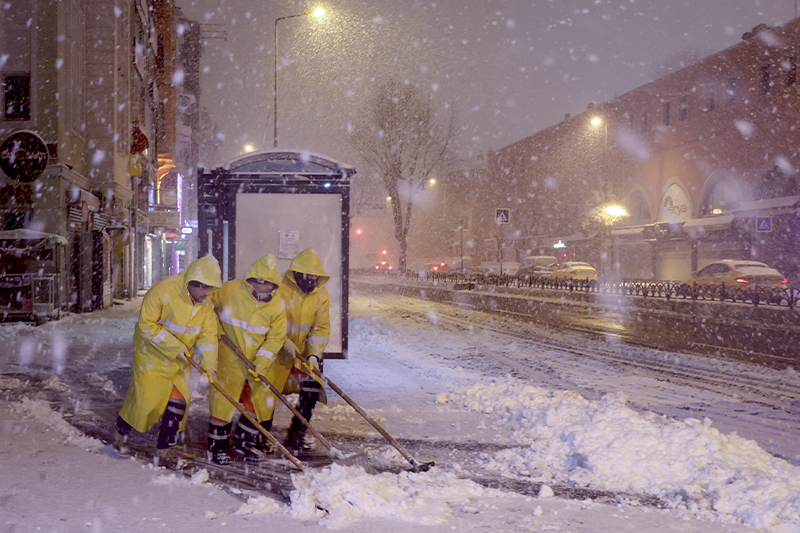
(408, 376)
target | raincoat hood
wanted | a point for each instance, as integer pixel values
(307, 262)
(265, 268)
(205, 270)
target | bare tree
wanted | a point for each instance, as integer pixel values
(401, 137)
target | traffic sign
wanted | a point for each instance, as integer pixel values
(764, 224)
(502, 215)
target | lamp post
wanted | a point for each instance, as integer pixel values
(609, 215)
(319, 12)
(598, 121)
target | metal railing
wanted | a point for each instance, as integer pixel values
(788, 297)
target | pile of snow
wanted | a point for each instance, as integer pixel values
(41, 411)
(608, 446)
(339, 496)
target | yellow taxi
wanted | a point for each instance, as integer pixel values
(574, 270)
(739, 273)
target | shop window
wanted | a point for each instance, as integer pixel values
(637, 207)
(723, 196)
(17, 97)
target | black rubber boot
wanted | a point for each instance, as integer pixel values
(119, 436)
(171, 423)
(218, 436)
(295, 439)
(263, 444)
(168, 434)
(245, 442)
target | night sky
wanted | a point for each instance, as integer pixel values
(506, 68)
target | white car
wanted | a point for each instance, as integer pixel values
(739, 273)
(574, 270)
(509, 268)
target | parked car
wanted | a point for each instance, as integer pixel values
(509, 268)
(537, 265)
(741, 273)
(574, 270)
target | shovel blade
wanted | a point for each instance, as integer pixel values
(421, 467)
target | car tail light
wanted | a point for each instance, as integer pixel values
(742, 280)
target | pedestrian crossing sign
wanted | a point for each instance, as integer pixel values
(502, 215)
(764, 224)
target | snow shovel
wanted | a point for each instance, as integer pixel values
(331, 450)
(416, 466)
(245, 414)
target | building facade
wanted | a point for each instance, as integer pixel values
(99, 82)
(704, 161)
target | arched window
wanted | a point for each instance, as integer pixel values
(776, 184)
(724, 194)
(638, 209)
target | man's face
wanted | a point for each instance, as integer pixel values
(262, 288)
(199, 291)
(306, 282)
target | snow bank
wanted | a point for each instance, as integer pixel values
(606, 445)
(339, 496)
(41, 411)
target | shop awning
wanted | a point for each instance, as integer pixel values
(630, 230)
(784, 205)
(24, 234)
(701, 225)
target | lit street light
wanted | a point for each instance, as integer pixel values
(319, 13)
(613, 213)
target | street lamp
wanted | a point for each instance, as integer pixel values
(319, 13)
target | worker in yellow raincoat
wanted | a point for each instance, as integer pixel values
(252, 318)
(308, 326)
(175, 322)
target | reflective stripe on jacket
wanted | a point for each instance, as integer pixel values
(170, 323)
(308, 322)
(258, 329)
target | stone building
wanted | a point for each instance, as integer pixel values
(704, 160)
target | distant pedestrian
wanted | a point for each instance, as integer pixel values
(253, 319)
(175, 322)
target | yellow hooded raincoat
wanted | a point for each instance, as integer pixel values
(308, 323)
(258, 329)
(170, 323)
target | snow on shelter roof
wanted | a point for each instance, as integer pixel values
(283, 162)
(769, 206)
(24, 234)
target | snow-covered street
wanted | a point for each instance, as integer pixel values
(555, 444)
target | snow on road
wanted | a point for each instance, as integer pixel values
(422, 382)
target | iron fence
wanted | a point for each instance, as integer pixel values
(753, 295)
